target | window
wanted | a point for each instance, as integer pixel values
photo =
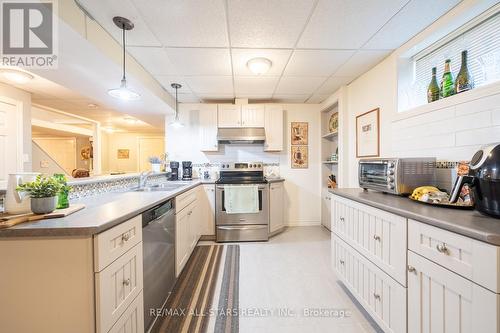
(481, 40)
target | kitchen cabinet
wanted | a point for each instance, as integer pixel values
(207, 207)
(326, 210)
(252, 115)
(208, 127)
(276, 207)
(273, 125)
(442, 301)
(229, 115)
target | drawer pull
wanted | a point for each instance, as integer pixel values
(342, 262)
(442, 248)
(125, 237)
(412, 269)
(377, 237)
(342, 219)
(126, 282)
(377, 296)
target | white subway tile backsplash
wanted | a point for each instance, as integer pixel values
(471, 121)
(480, 136)
(478, 105)
(430, 117)
(495, 116)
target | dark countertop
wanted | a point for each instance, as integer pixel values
(102, 212)
(469, 223)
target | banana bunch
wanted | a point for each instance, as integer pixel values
(421, 191)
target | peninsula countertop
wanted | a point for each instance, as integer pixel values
(102, 212)
(469, 223)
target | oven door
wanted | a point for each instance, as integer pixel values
(261, 217)
(373, 174)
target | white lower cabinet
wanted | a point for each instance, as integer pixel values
(442, 301)
(207, 209)
(276, 209)
(132, 320)
(381, 296)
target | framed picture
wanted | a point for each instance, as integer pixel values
(300, 157)
(300, 133)
(123, 154)
(368, 134)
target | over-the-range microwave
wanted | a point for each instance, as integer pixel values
(396, 175)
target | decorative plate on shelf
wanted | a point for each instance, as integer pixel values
(333, 124)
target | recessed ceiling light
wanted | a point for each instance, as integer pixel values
(109, 129)
(259, 65)
(16, 76)
(131, 120)
(92, 106)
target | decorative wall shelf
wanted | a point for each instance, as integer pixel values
(330, 135)
(330, 162)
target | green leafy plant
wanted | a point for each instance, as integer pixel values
(42, 187)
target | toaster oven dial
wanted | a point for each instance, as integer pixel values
(390, 172)
(390, 186)
(390, 179)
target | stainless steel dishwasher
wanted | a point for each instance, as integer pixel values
(158, 233)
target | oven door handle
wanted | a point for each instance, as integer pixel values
(246, 227)
(260, 187)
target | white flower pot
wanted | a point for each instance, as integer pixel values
(43, 205)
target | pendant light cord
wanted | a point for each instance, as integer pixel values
(123, 39)
(176, 105)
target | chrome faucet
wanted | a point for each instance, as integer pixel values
(143, 178)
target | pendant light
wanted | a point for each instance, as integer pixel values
(176, 123)
(123, 93)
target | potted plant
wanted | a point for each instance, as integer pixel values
(43, 193)
(155, 163)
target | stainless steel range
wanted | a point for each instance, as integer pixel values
(243, 182)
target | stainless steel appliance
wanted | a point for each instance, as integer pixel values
(241, 135)
(484, 178)
(158, 233)
(187, 170)
(396, 175)
(174, 170)
(247, 226)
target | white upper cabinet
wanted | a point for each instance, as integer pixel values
(229, 115)
(273, 124)
(252, 115)
(208, 127)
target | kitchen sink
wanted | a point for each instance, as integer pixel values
(158, 187)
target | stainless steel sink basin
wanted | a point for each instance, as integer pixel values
(158, 187)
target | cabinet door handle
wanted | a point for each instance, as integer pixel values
(442, 248)
(412, 269)
(125, 237)
(342, 219)
(377, 237)
(190, 212)
(126, 282)
(342, 262)
(377, 296)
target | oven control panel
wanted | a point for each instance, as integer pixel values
(242, 166)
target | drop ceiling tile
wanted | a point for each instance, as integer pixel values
(286, 98)
(208, 85)
(316, 62)
(200, 61)
(167, 80)
(316, 99)
(215, 98)
(278, 59)
(104, 11)
(188, 98)
(267, 24)
(153, 59)
(295, 85)
(361, 62)
(332, 84)
(340, 24)
(258, 85)
(187, 23)
(409, 22)
(255, 97)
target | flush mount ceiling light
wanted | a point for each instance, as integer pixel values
(123, 92)
(259, 65)
(92, 106)
(131, 120)
(176, 123)
(16, 76)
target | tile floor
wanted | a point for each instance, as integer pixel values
(292, 273)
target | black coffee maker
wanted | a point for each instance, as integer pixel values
(484, 179)
(187, 170)
(174, 173)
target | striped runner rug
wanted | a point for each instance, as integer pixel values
(205, 296)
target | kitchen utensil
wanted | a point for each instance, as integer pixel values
(10, 221)
(15, 202)
(484, 179)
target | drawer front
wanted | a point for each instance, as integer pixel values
(243, 233)
(381, 296)
(132, 320)
(442, 301)
(378, 235)
(475, 260)
(184, 199)
(112, 243)
(117, 286)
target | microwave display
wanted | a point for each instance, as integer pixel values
(374, 173)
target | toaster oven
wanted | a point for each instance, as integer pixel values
(396, 175)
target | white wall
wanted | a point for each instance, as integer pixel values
(302, 192)
(451, 130)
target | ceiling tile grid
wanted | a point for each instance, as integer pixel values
(315, 46)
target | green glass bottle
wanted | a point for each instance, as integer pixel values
(447, 84)
(464, 80)
(62, 196)
(433, 90)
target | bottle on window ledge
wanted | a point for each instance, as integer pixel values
(433, 90)
(464, 79)
(447, 84)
